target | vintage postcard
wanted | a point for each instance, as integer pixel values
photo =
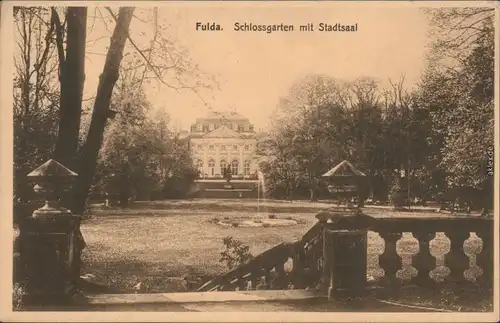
(249, 161)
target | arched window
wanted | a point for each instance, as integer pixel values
(246, 167)
(199, 166)
(234, 167)
(211, 167)
(223, 166)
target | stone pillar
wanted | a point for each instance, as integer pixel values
(344, 251)
(205, 160)
(49, 239)
(217, 169)
(241, 164)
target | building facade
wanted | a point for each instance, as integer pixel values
(221, 140)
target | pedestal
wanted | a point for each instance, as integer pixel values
(346, 253)
(47, 254)
(47, 239)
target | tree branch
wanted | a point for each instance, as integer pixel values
(59, 42)
(152, 67)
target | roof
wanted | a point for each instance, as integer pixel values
(52, 168)
(222, 132)
(222, 115)
(345, 168)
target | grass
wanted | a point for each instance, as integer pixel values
(150, 245)
(160, 243)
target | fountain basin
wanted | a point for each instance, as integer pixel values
(251, 223)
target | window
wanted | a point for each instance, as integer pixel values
(235, 147)
(246, 167)
(223, 166)
(200, 146)
(247, 147)
(222, 147)
(211, 127)
(211, 147)
(211, 167)
(199, 166)
(234, 167)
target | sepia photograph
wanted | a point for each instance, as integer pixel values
(258, 160)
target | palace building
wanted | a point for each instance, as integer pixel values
(223, 139)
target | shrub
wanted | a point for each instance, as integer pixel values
(214, 220)
(235, 254)
(397, 195)
(18, 294)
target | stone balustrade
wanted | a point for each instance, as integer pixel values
(457, 265)
(333, 256)
(285, 266)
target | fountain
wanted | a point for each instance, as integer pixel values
(260, 184)
(259, 220)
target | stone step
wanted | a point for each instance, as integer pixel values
(201, 297)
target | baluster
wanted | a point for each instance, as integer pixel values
(318, 258)
(255, 280)
(298, 268)
(281, 281)
(390, 261)
(242, 284)
(309, 266)
(424, 261)
(484, 259)
(456, 259)
(267, 279)
(261, 283)
(233, 284)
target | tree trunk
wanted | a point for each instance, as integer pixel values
(124, 191)
(90, 150)
(100, 114)
(124, 196)
(72, 78)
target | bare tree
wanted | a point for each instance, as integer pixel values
(455, 31)
(109, 76)
(35, 92)
(72, 78)
(60, 46)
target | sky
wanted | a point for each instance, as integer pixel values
(255, 69)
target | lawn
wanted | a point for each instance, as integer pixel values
(156, 243)
(159, 243)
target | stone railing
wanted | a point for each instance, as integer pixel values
(346, 254)
(269, 269)
(433, 267)
(334, 256)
